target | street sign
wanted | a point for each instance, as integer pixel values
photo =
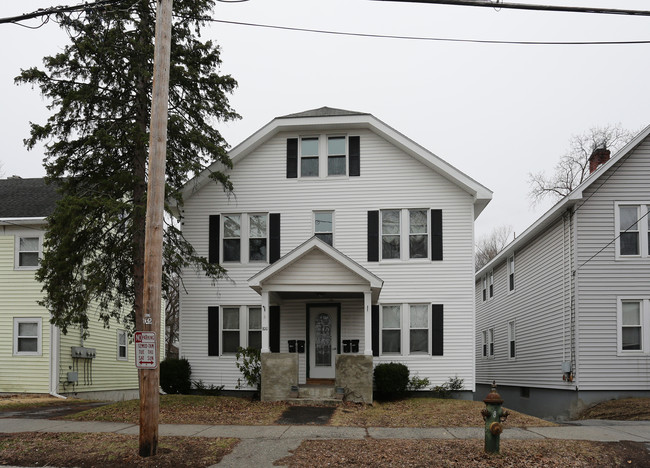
(145, 350)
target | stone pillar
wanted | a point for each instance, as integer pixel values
(354, 375)
(279, 374)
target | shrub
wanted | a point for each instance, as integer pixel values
(175, 376)
(250, 367)
(391, 380)
(416, 383)
(203, 389)
(452, 385)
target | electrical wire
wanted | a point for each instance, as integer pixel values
(415, 38)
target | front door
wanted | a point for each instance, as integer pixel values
(323, 338)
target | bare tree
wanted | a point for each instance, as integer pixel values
(489, 246)
(573, 167)
(172, 312)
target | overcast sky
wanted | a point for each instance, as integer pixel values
(496, 112)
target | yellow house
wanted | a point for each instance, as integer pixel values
(35, 357)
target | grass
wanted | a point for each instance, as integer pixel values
(626, 409)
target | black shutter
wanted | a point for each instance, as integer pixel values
(437, 337)
(292, 158)
(274, 329)
(375, 329)
(213, 331)
(373, 236)
(355, 153)
(274, 237)
(436, 234)
(213, 238)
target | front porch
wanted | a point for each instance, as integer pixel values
(317, 307)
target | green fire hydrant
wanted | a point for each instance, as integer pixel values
(493, 415)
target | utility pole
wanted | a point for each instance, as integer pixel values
(149, 377)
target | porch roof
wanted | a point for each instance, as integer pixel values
(345, 275)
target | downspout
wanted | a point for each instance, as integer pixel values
(54, 361)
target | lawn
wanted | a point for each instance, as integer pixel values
(625, 409)
(414, 412)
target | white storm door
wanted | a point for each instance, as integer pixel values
(322, 342)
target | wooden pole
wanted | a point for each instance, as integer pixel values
(149, 378)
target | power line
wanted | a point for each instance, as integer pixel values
(59, 9)
(419, 38)
(533, 7)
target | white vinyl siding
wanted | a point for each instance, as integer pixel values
(350, 198)
(606, 279)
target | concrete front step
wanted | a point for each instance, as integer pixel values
(316, 391)
(313, 401)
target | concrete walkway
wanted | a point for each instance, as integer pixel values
(260, 446)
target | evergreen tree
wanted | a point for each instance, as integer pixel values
(96, 144)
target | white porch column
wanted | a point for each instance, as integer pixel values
(367, 323)
(265, 322)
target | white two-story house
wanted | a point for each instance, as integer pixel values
(563, 312)
(346, 245)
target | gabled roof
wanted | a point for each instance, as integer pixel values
(560, 207)
(329, 119)
(315, 244)
(27, 198)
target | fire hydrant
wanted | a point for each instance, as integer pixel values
(493, 415)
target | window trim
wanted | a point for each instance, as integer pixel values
(25, 235)
(643, 226)
(39, 336)
(512, 284)
(249, 238)
(484, 287)
(313, 224)
(222, 328)
(512, 340)
(484, 344)
(224, 238)
(491, 349)
(490, 276)
(126, 345)
(427, 233)
(248, 325)
(644, 310)
(400, 329)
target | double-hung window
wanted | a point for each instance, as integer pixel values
(27, 252)
(390, 234)
(391, 329)
(27, 336)
(419, 328)
(309, 157)
(324, 226)
(491, 342)
(485, 344)
(512, 340)
(418, 234)
(232, 238)
(633, 320)
(255, 327)
(336, 155)
(122, 345)
(491, 283)
(511, 273)
(230, 327)
(484, 281)
(632, 227)
(257, 232)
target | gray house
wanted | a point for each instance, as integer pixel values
(563, 312)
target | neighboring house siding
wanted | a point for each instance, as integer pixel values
(389, 179)
(18, 295)
(540, 307)
(602, 279)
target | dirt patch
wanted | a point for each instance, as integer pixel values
(625, 409)
(108, 450)
(315, 415)
(466, 453)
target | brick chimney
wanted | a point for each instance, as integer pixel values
(599, 157)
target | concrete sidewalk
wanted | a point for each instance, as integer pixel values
(261, 445)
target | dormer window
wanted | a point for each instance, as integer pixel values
(336, 155)
(309, 157)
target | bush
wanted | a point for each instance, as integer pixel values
(175, 376)
(202, 389)
(416, 383)
(250, 367)
(452, 385)
(391, 380)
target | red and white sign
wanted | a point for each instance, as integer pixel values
(145, 350)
